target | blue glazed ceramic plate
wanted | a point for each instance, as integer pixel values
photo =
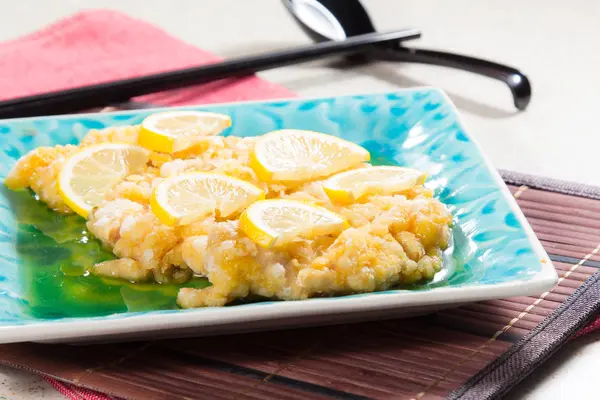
(43, 296)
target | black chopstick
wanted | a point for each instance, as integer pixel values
(115, 92)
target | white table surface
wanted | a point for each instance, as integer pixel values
(554, 42)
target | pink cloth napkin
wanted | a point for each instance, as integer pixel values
(96, 46)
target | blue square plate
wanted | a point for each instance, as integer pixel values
(495, 253)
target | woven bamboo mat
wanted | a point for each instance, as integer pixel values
(424, 357)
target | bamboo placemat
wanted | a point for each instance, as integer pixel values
(425, 357)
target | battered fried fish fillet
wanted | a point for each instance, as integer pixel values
(391, 239)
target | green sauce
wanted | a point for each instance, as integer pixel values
(56, 252)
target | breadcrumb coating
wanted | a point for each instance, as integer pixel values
(391, 239)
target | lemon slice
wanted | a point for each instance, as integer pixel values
(181, 200)
(351, 185)
(88, 174)
(172, 131)
(295, 155)
(272, 223)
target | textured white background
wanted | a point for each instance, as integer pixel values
(553, 41)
